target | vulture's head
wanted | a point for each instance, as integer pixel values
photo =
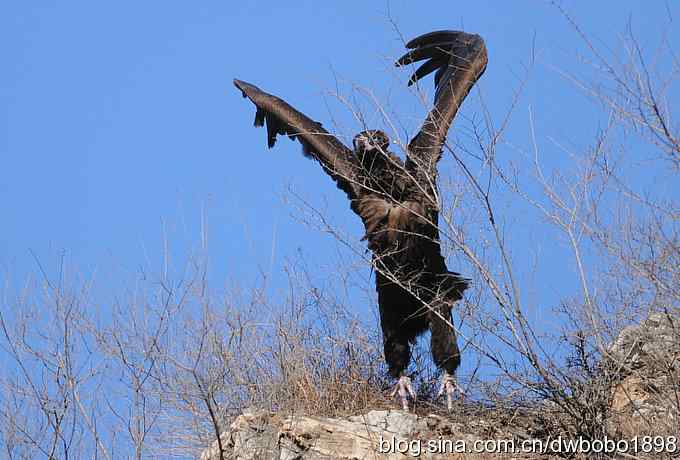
(371, 143)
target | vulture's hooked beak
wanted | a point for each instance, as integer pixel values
(362, 143)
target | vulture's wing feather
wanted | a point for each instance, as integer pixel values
(281, 118)
(459, 59)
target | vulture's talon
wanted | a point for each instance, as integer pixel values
(450, 387)
(404, 389)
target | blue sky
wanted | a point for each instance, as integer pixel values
(120, 127)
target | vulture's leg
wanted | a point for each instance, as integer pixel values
(398, 354)
(445, 349)
(395, 307)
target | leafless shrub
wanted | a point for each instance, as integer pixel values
(168, 367)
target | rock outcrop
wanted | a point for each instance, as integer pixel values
(653, 343)
(647, 398)
(386, 434)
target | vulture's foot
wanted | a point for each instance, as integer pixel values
(450, 387)
(404, 389)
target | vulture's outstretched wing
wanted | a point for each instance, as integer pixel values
(336, 159)
(459, 59)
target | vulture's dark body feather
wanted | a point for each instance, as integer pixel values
(397, 200)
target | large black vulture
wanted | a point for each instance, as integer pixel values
(397, 201)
